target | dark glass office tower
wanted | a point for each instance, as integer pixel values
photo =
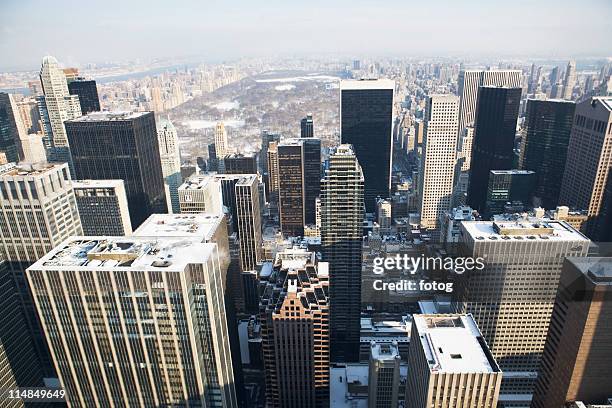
(213, 161)
(312, 177)
(291, 188)
(307, 127)
(341, 239)
(366, 110)
(547, 134)
(9, 136)
(299, 175)
(121, 145)
(238, 163)
(514, 187)
(494, 133)
(87, 91)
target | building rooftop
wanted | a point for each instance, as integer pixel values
(246, 179)
(384, 351)
(201, 226)
(356, 84)
(106, 116)
(28, 169)
(528, 229)
(199, 182)
(453, 344)
(137, 253)
(512, 172)
(82, 184)
(597, 269)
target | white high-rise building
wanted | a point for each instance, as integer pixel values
(103, 207)
(249, 221)
(221, 143)
(450, 364)
(383, 375)
(60, 104)
(170, 161)
(38, 212)
(570, 80)
(512, 298)
(33, 148)
(136, 320)
(438, 159)
(469, 82)
(39, 209)
(200, 194)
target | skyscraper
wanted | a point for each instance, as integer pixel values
(121, 145)
(307, 126)
(578, 351)
(39, 211)
(103, 207)
(170, 161)
(11, 128)
(272, 176)
(87, 91)
(213, 161)
(299, 175)
(450, 364)
(588, 160)
(383, 375)
(438, 160)
(469, 83)
(514, 187)
(342, 214)
(60, 106)
(366, 110)
(19, 361)
(238, 163)
(570, 80)
(523, 260)
(200, 194)
(221, 143)
(493, 146)
(544, 150)
(152, 329)
(294, 318)
(249, 221)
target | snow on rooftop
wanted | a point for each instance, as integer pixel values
(139, 253)
(82, 184)
(352, 84)
(105, 116)
(532, 229)
(202, 225)
(451, 344)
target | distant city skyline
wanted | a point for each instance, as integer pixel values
(123, 31)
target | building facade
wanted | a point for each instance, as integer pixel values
(294, 318)
(366, 110)
(589, 159)
(170, 161)
(144, 323)
(545, 142)
(494, 133)
(342, 215)
(438, 159)
(578, 351)
(103, 207)
(121, 145)
(450, 364)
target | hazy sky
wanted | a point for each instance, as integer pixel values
(77, 32)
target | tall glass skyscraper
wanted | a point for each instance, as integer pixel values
(87, 91)
(366, 112)
(341, 238)
(547, 133)
(122, 145)
(493, 146)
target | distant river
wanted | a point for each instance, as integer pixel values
(116, 78)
